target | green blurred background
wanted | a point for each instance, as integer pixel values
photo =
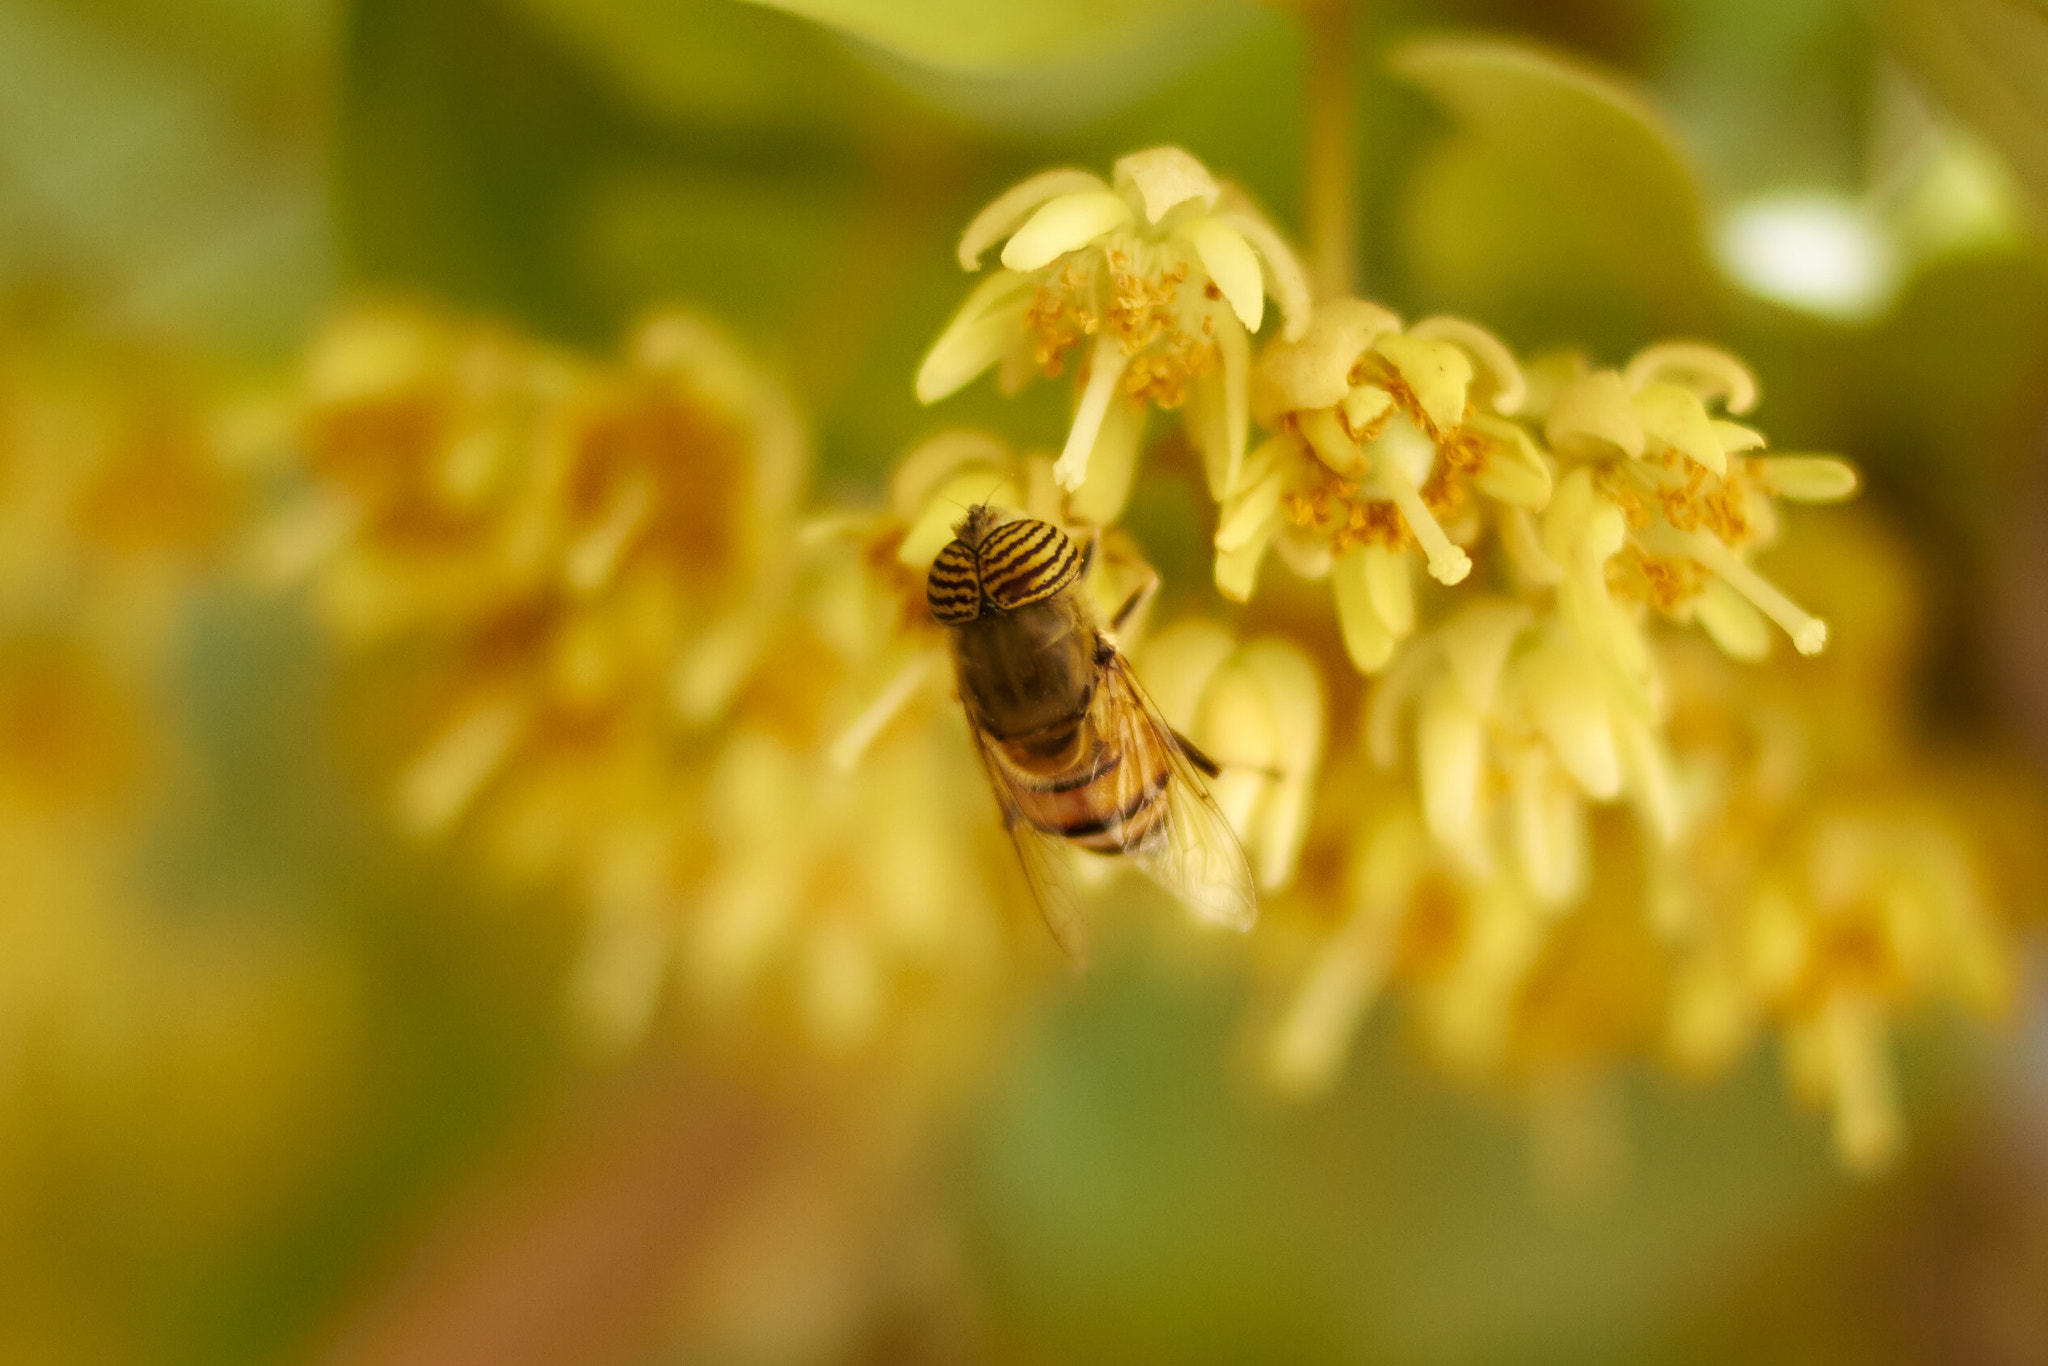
(356, 1129)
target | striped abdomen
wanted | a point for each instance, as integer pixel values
(999, 569)
(1104, 788)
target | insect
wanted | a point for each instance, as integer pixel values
(1076, 751)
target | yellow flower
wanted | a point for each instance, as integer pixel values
(1832, 879)
(1409, 913)
(1514, 732)
(1663, 502)
(575, 559)
(1387, 441)
(1257, 710)
(1160, 277)
(837, 865)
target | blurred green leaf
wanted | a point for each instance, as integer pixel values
(1988, 61)
(713, 61)
(1022, 71)
(947, 33)
(1561, 208)
(164, 174)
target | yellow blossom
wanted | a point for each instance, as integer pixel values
(1387, 441)
(1408, 914)
(573, 559)
(1158, 278)
(1257, 710)
(1693, 502)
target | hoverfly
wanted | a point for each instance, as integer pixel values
(1076, 752)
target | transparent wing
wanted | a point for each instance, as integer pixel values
(1048, 862)
(1191, 850)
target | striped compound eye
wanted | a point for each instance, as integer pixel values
(1025, 561)
(953, 589)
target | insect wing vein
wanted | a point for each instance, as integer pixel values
(1190, 849)
(1046, 859)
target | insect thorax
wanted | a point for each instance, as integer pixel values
(1027, 672)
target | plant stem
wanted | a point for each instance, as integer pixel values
(1332, 97)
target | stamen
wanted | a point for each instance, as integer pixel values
(440, 784)
(595, 555)
(1865, 1099)
(1447, 563)
(853, 742)
(1809, 633)
(1309, 1045)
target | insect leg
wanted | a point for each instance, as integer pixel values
(1210, 768)
(1135, 603)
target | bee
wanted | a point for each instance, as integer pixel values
(1076, 752)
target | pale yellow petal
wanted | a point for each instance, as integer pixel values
(1106, 366)
(1285, 279)
(1499, 384)
(1593, 417)
(1008, 210)
(1676, 417)
(1646, 772)
(1515, 471)
(1565, 700)
(1331, 443)
(1163, 178)
(1708, 371)
(1233, 265)
(1112, 465)
(1062, 225)
(1436, 372)
(1315, 370)
(1364, 406)
(1738, 628)
(1248, 512)
(1449, 755)
(1304, 550)
(1391, 586)
(1237, 571)
(987, 325)
(1476, 643)
(1736, 438)
(1366, 638)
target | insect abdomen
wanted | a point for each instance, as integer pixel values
(1109, 803)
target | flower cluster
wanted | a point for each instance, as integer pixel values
(1528, 811)
(622, 658)
(575, 564)
(1502, 773)
(1159, 279)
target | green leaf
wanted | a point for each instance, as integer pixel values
(995, 36)
(764, 62)
(696, 61)
(1987, 60)
(1561, 207)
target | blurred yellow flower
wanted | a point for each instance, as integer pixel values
(1257, 710)
(578, 562)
